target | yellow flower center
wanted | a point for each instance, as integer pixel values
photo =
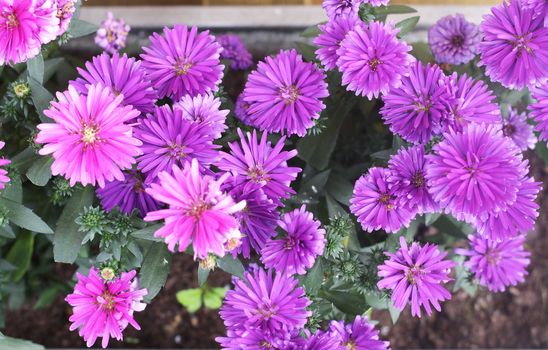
(109, 301)
(89, 134)
(351, 345)
(385, 199)
(12, 21)
(182, 66)
(374, 63)
(258, 174)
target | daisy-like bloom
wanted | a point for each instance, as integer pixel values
(514, 49)
(103, 305)
(360, 334)
(417, 108)
(127, 195)
(241, 110)
(89, 139)
(234, 49)
(474, 172)
(65, 11)
(122, 76)
(539, 110)
(112, 34)
(4, 179)
(284, 94)
(408, 179)
(471, 102)
(335, 8)
(204, 110)
(538, 6)
(253, 161)
(515, 126)
(375, 204)
(170, 139)
(265, 301)
(25, 25)
(255, 339)
(332, 34)
(376, 3)
(454, 40)
(372, 60)
(323, 341)
(183, 61)
(198, 210)
(415, 275)
(297, 251)
(497, 265)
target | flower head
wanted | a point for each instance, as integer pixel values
(332, 34)
(4, 179)
(241, 110)
(323, 341)
(234, 49)
(415, 275)
(284, 94)
(183, 61)
(65, 11)
(336, 8)
(255, 339)
(89, 139)
(454, 40)
(112, 34)
(539, 110)
(104, 308)
(515, 126)
(372, 60)
(204, 110)
(360, 334)
(540, 7)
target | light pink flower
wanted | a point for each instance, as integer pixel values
(4, 179)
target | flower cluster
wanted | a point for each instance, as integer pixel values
(112, 34)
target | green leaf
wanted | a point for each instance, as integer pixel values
(340, 188)
(46, 297)
(50, 67)
(313, 279)
(191, 299)
(542, 151)
(308, 51)
(348, 302)
(452, 227)
(430, 219)
(231, 265)
(393, 9)
(24, 217)
(155, 269)
(41, 98)
(7, 232)
(422, 52)
(202, 275)
(40, 172)
(20, 254)
(17, 344)
(68, 240)
(407, 25)
(312, 31)
(14, 190)
(79, 28)
(213, 297)
(35, 67)
(314, 185)
(147, 233)
(24, 160)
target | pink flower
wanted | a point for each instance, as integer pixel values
(4, 179)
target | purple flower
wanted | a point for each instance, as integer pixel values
(360, 334)
(335, 8)
(474, 172)
(454, 40)
(497, 265)
(416, 109)
(415, 275)
(4, 178)
(539, 110)
(332, 34)
(324, 341)
(372, 60)
(122, 76)
(183, 61)
(375, 204)
(65, 11)
(204, 110)
(112, 34)
(170, 139)
(127, 195)
(251, 161)
(538, 6)
(516, 127)
(284, 94)
(241, 110)
(376, 3)
(234, 49)
(514, 49)
(265, 301)
(256, 339)
(298, 249)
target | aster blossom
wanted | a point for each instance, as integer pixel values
(303, 242)
(372, 60)
(183, 61)
(516, 127)
(285, 94)
(454, 40)
(4, 179)
(65, 11)
(112, 34)
(241, 110)
(359, 334)
(204, 110)
(514, 49)
(539, 110)
(234, 49)
(415, 275)
(335, 8)
(331, 36)
(89, 139)
(321, 341)
(538, 6)
(104, 308)
(198, 210)
(255, 339)
(375, 204)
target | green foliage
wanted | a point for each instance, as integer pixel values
(193, 299)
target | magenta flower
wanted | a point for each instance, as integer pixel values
(204, 110)
(372, 60)
(516, 127)
(514, 49)
(375, 204)
(284, 94)
(234, 49)
(170, 139)
(297, 250)
(454, 40)
(539, 110)
(253, 161)
(416, 109)
(256, 339)
(335, 8)
(183, 61)
(538, 6)
(360, 334)
(323, 341)
(497, 265)
(104, 308)
(112, 34)
(65, 11)
(4, 179)
(122, 76)
(89, 139)
(415, 275)
(198, 211)
(332, 34)
(25, 25)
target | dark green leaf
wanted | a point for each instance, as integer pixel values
(147, 233)
(407, 25)
(8, 343)
(40, 97)
(50, 67)
(35, 67)
(231, 265)
(24, 160)
(315, 184)
(202, 275)
(542, 151)
(46, 297)
(340, 188)
(7, 232)
(20, 254)
(155, 269)
(307, 50)
(422, 52)
(393, 9)
(450, 226)
(40, 172)
(79, 28)
(311, 32)
(24, 217)
(348, 302)
(429, 219)
(14, 190)
(313, 279)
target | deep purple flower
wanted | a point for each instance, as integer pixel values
(112, 34)
(204, 110)
(234, 49)
(253, 161)
(256, 339)
(539, 110)
(416, 109)
(360, 334)
(285, 93)
(540, 7)
(415, 275)
(376, 205)
(183, 61)
(297, 250)
(372, 59)
(335, 8)
(122, 76)
(497, 265)
(514, 49)
(170, 139)
(241, 110)
(454, 40)
(324, 341)
(332, 34)
(65, 11)
(516, 127)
